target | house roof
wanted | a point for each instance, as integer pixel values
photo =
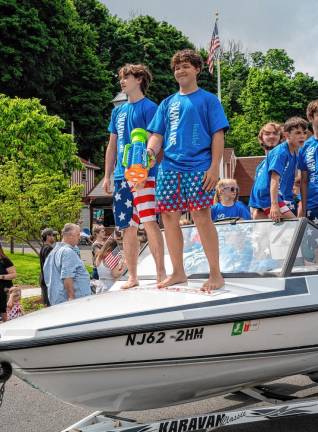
(120, 97)
(99, 192)
(89, 164)
(245, 171)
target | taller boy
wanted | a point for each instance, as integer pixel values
(133, 208)
(189, 125)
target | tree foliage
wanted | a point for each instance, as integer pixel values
(35, 165)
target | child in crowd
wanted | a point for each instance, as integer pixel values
(308, 164)
(109, 264)
(98, 237)
(14, 309)
(226, 204)
(270, 135)
(274, 184)
(132, 208)
(189, 125)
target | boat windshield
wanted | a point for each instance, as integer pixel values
(253, 247)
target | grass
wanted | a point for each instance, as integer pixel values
(28, 268)
(31, 304)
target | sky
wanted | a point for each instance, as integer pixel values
(257, 24)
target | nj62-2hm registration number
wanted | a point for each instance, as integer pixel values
(181, 335)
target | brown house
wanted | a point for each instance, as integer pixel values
(244, 173)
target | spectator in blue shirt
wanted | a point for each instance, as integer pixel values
(308, 164)
(226, 202)
(269, 136)
(64, 272)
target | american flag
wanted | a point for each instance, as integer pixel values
(214, 47)
(112, 259)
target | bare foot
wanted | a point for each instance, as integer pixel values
(173, 280)
(213, 284)
(131, 282)
(161, 276)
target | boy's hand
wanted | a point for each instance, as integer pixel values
(152, 157)
(107, 185)
(210, 179)
(275, 213)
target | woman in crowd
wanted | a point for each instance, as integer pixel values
(7, 274)
(226, 204)
(109, 264)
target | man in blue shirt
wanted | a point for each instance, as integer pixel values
(308, 164)
(132, 208)
(189, 126)
(64, 272)
(274, 184)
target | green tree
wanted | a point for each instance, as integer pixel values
(36, 162)
(47, 52)
(33, 138)
(30, 202)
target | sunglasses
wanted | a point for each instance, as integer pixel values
(231, 188)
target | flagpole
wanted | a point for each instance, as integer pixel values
(218, 68)
(218, 65)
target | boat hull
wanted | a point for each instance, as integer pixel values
(118, 373)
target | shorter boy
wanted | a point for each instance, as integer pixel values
(274, 186)
(189, 125)
(308, 164)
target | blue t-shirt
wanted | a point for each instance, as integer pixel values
(238, 209)
(284, 163)
(308, 161)
(123, 120)
(187, 124)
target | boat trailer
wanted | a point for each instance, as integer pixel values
(101, 421)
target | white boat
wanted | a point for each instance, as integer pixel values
(148, 347)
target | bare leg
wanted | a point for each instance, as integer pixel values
(131, 251)
(4, 317)
(210, 243)
(174, 239)
(288, 215)
(156, 246)
(258, 214)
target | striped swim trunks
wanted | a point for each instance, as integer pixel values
(134, 208)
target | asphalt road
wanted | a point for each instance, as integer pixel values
(26, 409)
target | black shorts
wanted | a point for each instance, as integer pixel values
(3, 300)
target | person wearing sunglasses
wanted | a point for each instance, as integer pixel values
(270, 135)
(226, 204)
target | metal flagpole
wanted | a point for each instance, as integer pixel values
(219, 92)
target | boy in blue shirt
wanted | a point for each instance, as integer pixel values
(269, 136)
(226, 204)
(273, 186)
(133, 207)
(189, 125)
(308, 164)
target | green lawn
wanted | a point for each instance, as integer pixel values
(28, 268)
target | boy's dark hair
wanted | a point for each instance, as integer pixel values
(312, 108)
(138, 71)
(187, 55)
(295, 123)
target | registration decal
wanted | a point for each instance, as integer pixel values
(240, 327)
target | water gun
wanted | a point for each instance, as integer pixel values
(135, 157)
